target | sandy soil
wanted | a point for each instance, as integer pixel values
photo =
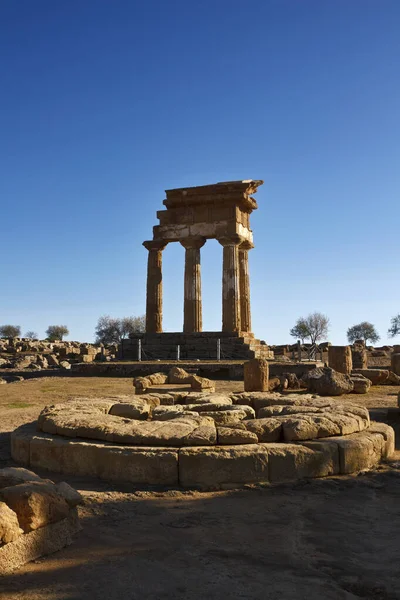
(326, 539)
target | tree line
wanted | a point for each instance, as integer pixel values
(315, 328)
(108, 330)
(53, 332)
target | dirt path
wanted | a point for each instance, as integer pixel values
(328, 539)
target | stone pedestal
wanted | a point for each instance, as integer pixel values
(154, 286)
(359, 356)
(244, 279)
(256, 375)
(395, 362)
(231, 284)
(339, 359)
(192, 306)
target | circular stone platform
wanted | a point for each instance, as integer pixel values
(204, 440)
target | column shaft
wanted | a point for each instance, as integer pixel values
(192, 305)
(244, 277)
(230, 287)
(154, 287)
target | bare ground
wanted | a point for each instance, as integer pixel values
(334, 538)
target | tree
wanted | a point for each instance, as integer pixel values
(32, 335)
(394, 328)
(10, 331)
(315, 327)
(56, 332)
(363, 331)
(130, 325)
(112, 331)
(300, 330)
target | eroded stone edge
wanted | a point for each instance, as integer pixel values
(171, 466)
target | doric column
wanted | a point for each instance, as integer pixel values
(244, 278)
(192, 308)
(230, 284)
(154, 286)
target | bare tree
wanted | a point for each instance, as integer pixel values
(112, 331)
(56, 332)
(32, 335)
(10, 331)
(363, 331)
(314, 327)
(394, 328)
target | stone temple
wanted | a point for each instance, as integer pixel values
(191, 216)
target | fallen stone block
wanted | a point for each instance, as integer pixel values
(35, 503)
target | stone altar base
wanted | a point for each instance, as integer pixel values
(206, 441)
(202, 346)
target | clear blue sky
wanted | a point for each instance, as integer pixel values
(105, 104)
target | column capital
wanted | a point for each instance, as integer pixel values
(195, 241)
(231, 240)
(155, 244)
(246, 245)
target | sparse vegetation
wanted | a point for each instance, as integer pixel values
(363, 331)
(112, 331)
(394, 328)
(56, 332)
(315, 327)
(10, 331)
(31, 335)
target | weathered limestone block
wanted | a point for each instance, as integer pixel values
(14, 475)
(256, 375)
(71, 496)
(164, 413)
(9, 526)
(52, 360)
(340, 359)
(141, 384)
(289, 462)
(40, 542)
(20, 443)
(376, 376)
(158, 378)
(358, 451)
(211, 399)
(359, 356)
(230, 436)
(308, 427)
(327, 382)
(178, 375)
(86, 358)
(131, 410)
(35, 503)
(387, 433)
(361, 384)
(266, 430)
(151, 466)
(395, 363)
(226, 417)
(216, 467)
(393, 379)
(201, 383)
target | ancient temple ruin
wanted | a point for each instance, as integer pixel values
(192, 215)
